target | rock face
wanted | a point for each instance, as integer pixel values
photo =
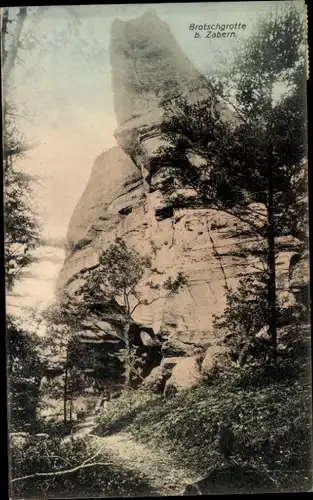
(155, 381)
(147, 63)
(186, 374)
(148, 67)
(211, 248)
(216, 360)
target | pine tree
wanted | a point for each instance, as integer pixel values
(255, 155)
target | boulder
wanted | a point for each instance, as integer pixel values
(300, 278)
(169, 363)
(216, 360)
(155, 381)
(19, 440)
(173, 347)
(263, 334)
(186, 374)
(299, 271)
(147, 339)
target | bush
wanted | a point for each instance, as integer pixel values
(124, 410)
(51, 455)
(24, 375)
(272, 427)
(271, 420)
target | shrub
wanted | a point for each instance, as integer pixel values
(123, 410)
(24, 375)
(271, 423)
(51, 455)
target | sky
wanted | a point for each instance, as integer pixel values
(62, 88)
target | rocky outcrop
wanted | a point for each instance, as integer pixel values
(147, 63)
(216, 360)
(186, 374)
(114, 190)
(155, 381)
(299, 274)
(19, 442)
(148, 67)
(122, 199)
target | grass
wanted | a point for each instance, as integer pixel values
(107, 480)
(271, 420)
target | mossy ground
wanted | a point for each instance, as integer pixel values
(271, 420)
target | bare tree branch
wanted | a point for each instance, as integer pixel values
(149, 303)
(60, 472)
(96, 454)
(126, 300)
(103, 330)
(4, 31)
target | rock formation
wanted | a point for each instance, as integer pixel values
(148, 66)
(122, 199)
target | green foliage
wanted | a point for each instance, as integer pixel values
(121, 267)
(274, 52)
(135, 363)
(121, 411)
(271, 421)
(268, 80)
(261, 134)
(245, 314)
(198, 129)
(119, 271)
(109, 291)
(245, 142)
(20, 224)
(60, 343)
(174, 284)
(110, 287)
(24, 370)
(50, 455)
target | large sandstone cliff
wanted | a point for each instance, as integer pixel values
(122, 199)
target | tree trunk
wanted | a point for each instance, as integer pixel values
(71, 399)
(65, 392)
(127, 357)
(4, 28)
(10, 53)
(271, 264)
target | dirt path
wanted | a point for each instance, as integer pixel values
(156, 465)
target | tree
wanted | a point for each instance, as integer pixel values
(113, 286)
(273, 58)
(24, 374)
(21, 227)
(255, 156)
(60, 343)
(10, 51)
(20, 238)
(110, 292)
(244, 317)
(20, 224)
(15, 37)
